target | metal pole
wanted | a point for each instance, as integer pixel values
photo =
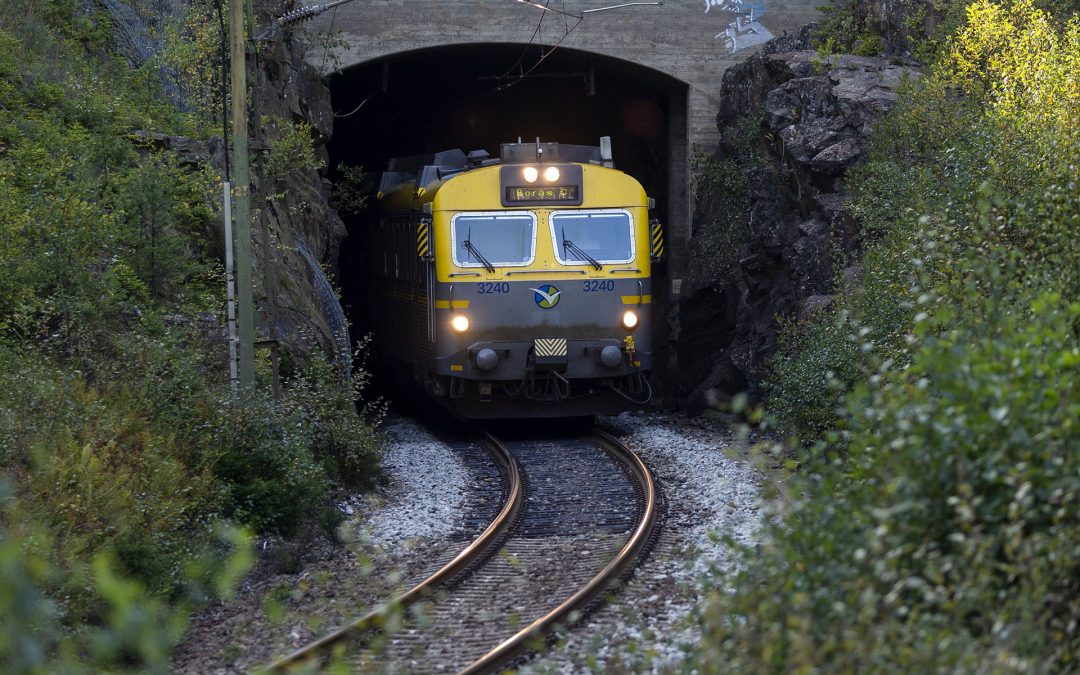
(242, 194)
(230, 284)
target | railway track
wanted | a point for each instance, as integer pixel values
(576, 516)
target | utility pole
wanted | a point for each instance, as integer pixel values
(242, 196)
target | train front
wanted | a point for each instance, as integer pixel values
(542, 297)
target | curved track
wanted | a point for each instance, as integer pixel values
(573, 526)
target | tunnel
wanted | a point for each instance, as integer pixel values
(480, 96)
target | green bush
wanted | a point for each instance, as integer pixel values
(721, 187)
(136, 629)
(123, 452)
(947, 538)
(938, 530)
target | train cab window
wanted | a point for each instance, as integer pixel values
(498, 238)
(582, 237)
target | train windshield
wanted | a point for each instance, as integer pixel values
(493, 239)
(592, 237)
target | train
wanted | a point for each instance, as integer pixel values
(517, 286)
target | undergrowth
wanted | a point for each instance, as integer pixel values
(131, 476)
(934, 525)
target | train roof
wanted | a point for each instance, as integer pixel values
(424, 171)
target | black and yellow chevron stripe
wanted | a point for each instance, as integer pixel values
(657, 236)
(423, 240)
(551, 347)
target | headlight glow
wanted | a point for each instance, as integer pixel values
(551, 174)
(530, 174)
(629, 320)
(460, 323)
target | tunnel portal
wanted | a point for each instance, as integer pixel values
(477, 97)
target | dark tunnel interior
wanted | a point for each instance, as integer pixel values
(475, 97)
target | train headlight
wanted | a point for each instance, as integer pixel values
(530, 174)
(629, 320)
(551, 174)
(460, 323)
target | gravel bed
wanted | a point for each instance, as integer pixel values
(712, 493)
(398, 533)
(406, 527)
(426, 492)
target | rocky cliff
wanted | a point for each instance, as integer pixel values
(815, 115)
(291, 203)
(305, 230)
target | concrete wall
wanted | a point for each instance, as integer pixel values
(693, 41)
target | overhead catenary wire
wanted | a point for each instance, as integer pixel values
(543, 57)
(532, 38)
(546, 7)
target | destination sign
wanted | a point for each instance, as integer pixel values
(557, 193)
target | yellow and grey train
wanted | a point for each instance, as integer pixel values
(517, 286)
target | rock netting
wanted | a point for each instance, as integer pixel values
(816, 113)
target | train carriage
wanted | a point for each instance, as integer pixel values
(517, 286)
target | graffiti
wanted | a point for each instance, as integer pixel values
(745, 30)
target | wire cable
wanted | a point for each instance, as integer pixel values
(525, 51)
(224, 88)
(543, 57)
(354, 110)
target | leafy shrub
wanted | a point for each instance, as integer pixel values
(938, 532)
(846, 29)
(122, 450)
(721, 187)
(948, 538)
(136, 629)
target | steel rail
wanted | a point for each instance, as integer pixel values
(519, 643)
(427, 587)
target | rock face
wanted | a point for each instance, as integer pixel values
(305, 231)
(816, 114)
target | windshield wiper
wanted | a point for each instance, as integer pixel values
(479, 256)
(581, 254)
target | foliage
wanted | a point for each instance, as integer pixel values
(124, 455)
(291, 149)
(137, 629)
(948, 541)
(350, 195)
(847, 29)
(935, 523)
(191, 51)
(721, 187)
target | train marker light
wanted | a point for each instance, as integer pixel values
(530, 174)
(460, 323)
(551, 174)
(629, 320)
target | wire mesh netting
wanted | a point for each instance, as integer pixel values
(331, 308)
(134, 41)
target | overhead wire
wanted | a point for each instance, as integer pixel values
(326, 44)
(224, 87)
(525, 51)
(542, 58)
(354, 110)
